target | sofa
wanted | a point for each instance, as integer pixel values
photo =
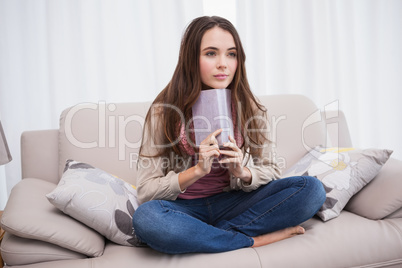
(366, 233)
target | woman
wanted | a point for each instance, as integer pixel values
(211, 198)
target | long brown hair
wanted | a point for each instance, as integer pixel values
(185, 86)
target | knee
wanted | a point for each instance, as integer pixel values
(153, 225)
(145, 218)
(152, 222)
(317, 192)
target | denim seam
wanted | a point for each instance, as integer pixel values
(251, 241)
(167, 209)
(208, 204)
(163, 206)
(271, 209)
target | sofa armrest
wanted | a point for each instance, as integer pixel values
(28, 214)
(382, 196)
(39, 155)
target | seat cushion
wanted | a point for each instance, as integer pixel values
(346, 241)
(118, 256)
(28, 214)
(21, 251)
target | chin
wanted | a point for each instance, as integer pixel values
(215, 85)
(219, 86)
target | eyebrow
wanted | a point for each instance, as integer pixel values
(214, 48)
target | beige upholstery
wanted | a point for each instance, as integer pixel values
(47, 143)
(28, 214)
(30, 251)
(368, 233)
(103, 135)
(374, 204)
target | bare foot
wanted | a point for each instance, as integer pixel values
(276, 236)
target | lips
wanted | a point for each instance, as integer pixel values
(221, 76)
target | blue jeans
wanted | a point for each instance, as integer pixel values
(229, 220)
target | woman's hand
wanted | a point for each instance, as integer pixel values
(234, 160)
(208, 150)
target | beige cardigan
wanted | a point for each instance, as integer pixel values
(158, 177)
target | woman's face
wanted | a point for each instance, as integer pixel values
(218, 59)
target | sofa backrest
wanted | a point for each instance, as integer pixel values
(105, 135)
(108, 135)
(296, 126)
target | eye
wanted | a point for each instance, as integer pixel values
(232, 54)
(210, 53)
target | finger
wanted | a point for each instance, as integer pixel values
(229, 153)
(230, 160)
(232, 145)
(232, 139)
(211, 138)
(217, 132)
(213, 135)
(210, 154)
(207, 147)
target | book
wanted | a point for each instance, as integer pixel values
(212, 111)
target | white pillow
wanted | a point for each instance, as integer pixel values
(97, 199)
(342, 171)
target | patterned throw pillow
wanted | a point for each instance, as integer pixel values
(99, 200)
(342, 171)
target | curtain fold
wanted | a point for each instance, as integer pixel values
(55, 54)
(331, 50)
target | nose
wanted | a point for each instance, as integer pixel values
(221, 64)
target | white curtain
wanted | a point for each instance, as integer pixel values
(344, 51)
(57, 53)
